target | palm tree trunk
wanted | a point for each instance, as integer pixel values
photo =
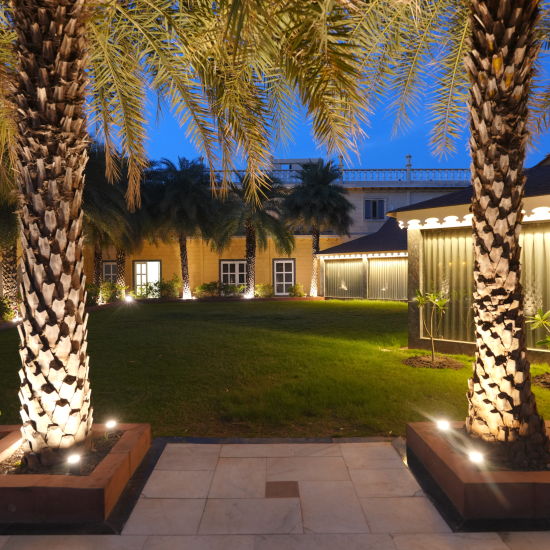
(50, 92)
(250, 238)
(98, 265)
(9, 276)
(314, 262)
(502, 406)
(121, 267)
(186, 293)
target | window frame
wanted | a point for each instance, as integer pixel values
(112, 264)
(134, 274)
(236, 261)
(377, 200)
(275, 261)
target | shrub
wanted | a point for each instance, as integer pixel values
(433, 306)
(108, 292)
(7, 313)
(263, 290)
(297, 291)
(92, 294)
(208, 289)
(231, 290)
(171, 288)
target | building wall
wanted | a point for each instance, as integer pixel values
(204, 263)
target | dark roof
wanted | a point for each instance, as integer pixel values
(388, 237)
(538, 183)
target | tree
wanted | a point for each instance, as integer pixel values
(187, 208)
(500, 42)
(318, 204)
(106, 55)
(258, 220)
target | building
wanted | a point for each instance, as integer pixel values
(373, 266)
(440, 258)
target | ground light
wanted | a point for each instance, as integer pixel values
(110, 424)
(128, 298)
(73, 459)
(16, 319)
(476, 457)
(248, 296)
(443, 425)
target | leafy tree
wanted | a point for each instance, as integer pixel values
(187, 208)
(258, 220)
(318, 204)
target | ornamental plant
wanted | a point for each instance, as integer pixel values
(432, 306)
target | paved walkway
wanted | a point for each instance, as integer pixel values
(349, 496)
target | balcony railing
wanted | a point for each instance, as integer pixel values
(391, 177)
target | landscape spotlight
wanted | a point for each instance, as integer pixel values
(16, 319)
(476, 457)
(73, 459)
(443, 425)
(129, 298)
(110, 424)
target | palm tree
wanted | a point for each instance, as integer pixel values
(8, 249)
(500, 42)
(187, 208)
(208, 60)
(318, 203)
(258, 220)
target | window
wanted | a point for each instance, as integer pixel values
(109, 271)
(283, 276)
(375, 209)
(233, 272)
(146, 273)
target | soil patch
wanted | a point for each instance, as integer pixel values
(542, 380)
(98, 449)
(425, 362)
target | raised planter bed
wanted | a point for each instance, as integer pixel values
(473, 498)
(67, 499)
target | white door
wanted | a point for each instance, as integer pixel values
(283, 276)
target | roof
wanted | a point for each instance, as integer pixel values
(388, 237)
(538, 183)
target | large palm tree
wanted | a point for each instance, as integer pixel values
(105, 55)
(499, 40)
(187, 208)
(258, 220)
(318, 203)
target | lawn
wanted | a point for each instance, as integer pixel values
(252, 369)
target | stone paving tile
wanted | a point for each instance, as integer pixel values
(239, 478)
(178, 484)
(3, 541)
(201, 542)
(403, 515)
(315, 468)
(385, 483)
(371, 456)
(324, 542)
(165, 516)
(456, 541)
(184, 456)
(281, 450)
(527, 540)
(331, 507)
(73, 542)
(251, 516)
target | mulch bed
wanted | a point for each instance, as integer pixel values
(425, 362)
(542, 380)
(99, 448)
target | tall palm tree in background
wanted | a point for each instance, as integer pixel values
(111, 53)
(8, 249)
(318, 203)
(499, 40)
(258, 221)
(187, 208)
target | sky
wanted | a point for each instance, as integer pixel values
(381, 149)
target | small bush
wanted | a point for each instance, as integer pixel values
(208, 290)
(7, 313)
(171, 288)
(231, 290)
(108, 292)
(92, 294)
(296, 291)
(263, 290)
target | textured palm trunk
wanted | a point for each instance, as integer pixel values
(250, 238)
(186, 292)
(313, 291)
(9, 275)
(121, 269)
(50, 92)
(502, 406)
(98, 266)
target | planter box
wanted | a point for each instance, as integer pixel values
(472, 498)
(68, 499)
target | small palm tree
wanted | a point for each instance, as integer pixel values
(187, 208)
(318, 203)
(258, 220)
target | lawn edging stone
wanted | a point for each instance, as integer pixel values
(68, 499)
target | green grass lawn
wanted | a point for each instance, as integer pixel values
(252, 369)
